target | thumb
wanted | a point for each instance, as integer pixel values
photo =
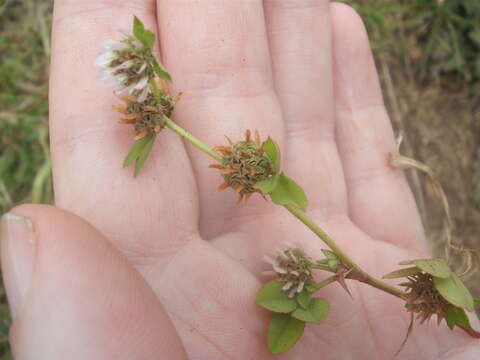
(73, 296)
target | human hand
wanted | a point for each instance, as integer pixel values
(299, 71)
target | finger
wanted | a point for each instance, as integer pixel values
(81, 298)
(380, 201)
(89, 145)
(210, 299)
(300, 41)
(217, 52)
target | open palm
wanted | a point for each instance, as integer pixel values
(299, 71)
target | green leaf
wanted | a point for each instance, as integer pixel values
(402, 273)
(272, 150)
(146, 37)
(268, 185)
(304, 299)
(283, 332)
(332, 264)
(457, 316)
(451, 317)
(135, 151)
(454, 291)
(317, 311)
(273, 298)
(435, 267)
(330, 255)
(161, 71)
(143, 155)
(288, 192)
(476, 302)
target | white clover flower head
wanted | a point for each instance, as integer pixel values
(127, 65)
(293, 268)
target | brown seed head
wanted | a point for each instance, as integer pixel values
(244, 164)
(147, 117)
(424, 299)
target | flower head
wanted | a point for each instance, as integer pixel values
(146, 116)
(424, 299)
(128, 65)
(243, 165)
(293, 268)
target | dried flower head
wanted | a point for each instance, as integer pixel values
(293, 268)
(243, 165)
(424, 299)
(147, 116)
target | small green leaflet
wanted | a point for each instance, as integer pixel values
(303, 299)
(139, 153)
(476, 302)
(330, 255)
(146, 37)
(288, 192)
(402, 273)
(273, 298)
(161, 71)
(266, 186)
(435, 267)
(272, 150)
(457, 316)
(454, 291)
(283, 332)
(316, 312)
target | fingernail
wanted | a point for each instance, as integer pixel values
(17, 241)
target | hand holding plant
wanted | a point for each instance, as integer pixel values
(199, 252)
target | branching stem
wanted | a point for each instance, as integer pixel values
(357, 273)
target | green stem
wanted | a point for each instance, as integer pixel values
(358, 273)
(322, 267)
(325, 282)
(192, 139)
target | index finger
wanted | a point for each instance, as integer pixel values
(88, 145)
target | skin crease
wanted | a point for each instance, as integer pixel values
(300, 71)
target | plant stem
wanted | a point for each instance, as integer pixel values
(325, 282)
(192, 139)
(358, 273)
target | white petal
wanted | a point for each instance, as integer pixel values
(142, 83)
(292, 293)
(142, 68)
(126, 90)
(124, 65)
(294, 272)
(278, 269)
(105, 58)
(115, 45)
(287, 286)
(143, 95)
(300, 287)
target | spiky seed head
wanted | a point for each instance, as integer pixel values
(424, 299)
(244, 164)
(147, 116)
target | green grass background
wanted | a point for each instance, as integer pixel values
(428, 55)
